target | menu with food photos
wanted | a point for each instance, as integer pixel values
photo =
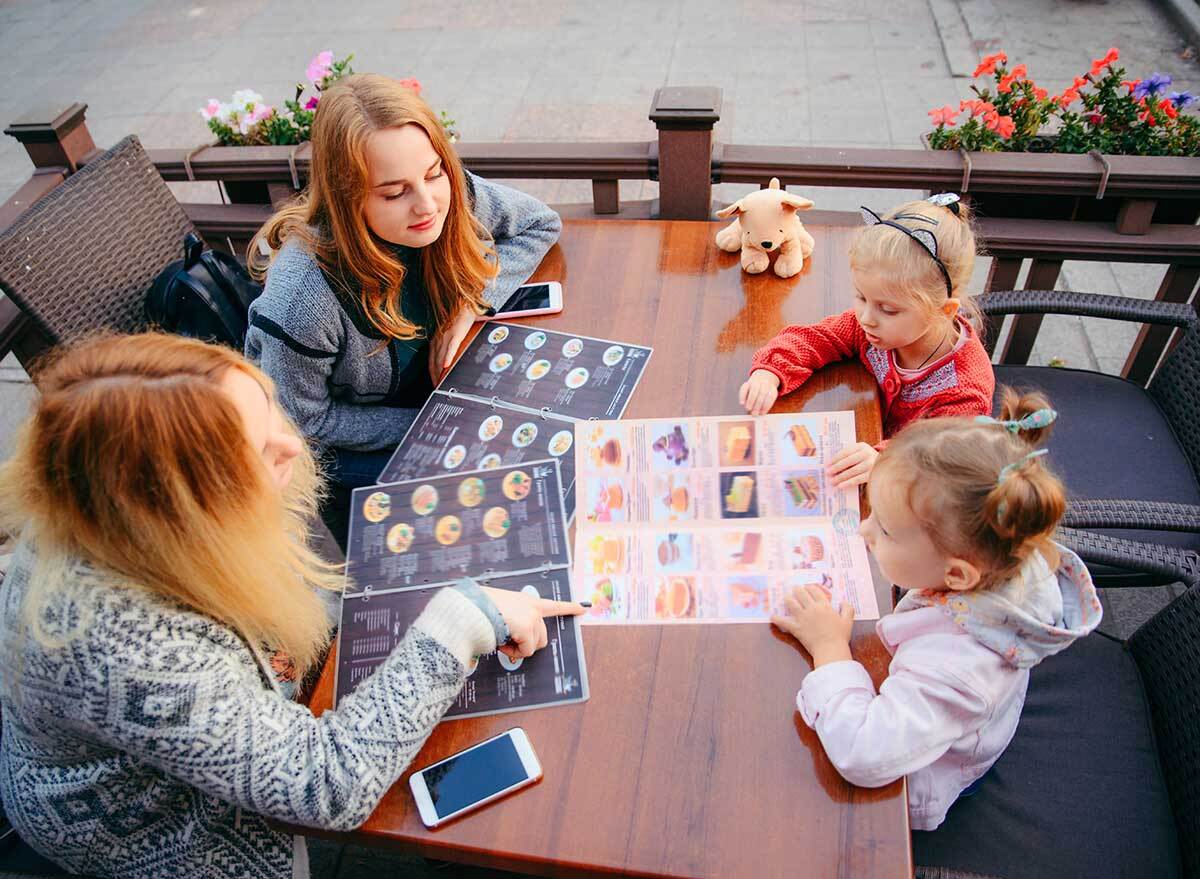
(714, 520)
(515, 395)
(504, 527)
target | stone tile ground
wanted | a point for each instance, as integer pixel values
(808, 72)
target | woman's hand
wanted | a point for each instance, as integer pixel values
(445, 344)
(525, 616)
(759, 393)
(811, 620)
(852, 465)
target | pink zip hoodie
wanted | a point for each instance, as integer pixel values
(955, 686)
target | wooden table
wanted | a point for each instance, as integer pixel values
(689, 759)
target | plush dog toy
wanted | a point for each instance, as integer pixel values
(766, 221)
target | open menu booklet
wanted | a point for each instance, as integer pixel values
(713, 520)
(505, 527)
(515, 395)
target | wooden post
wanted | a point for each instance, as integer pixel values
(1043, 274)
(1178, 284)
(1135, 215)
(54, 136)
(685, 117)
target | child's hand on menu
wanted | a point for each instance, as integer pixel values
(525, 616)
(852, 465)
(441, 352)
(759, 392)
(811, 620)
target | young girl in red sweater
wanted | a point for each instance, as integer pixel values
(913, 325)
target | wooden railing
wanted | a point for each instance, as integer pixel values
(1040, 209)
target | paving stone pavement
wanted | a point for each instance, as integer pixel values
(806, 72)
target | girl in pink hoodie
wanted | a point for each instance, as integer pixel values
(962, 515)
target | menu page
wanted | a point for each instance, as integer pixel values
(514, 395)
(452, 432)
(569, 375)
(694, 520)
(495, 684)
(505, 527)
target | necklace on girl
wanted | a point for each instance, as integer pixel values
(945, 336)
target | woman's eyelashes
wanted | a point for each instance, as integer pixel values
(403, 192)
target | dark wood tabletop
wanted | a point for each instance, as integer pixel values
(689, 759)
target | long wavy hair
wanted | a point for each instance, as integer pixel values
(328, 217)
(136, 461)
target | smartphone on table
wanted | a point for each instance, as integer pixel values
(530, 299)
(475, 777)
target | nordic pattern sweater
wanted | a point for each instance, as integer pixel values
(156, 743)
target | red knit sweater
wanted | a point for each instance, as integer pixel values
(959, 383)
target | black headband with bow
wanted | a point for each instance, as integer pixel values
(923, 237)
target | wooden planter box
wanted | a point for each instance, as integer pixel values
(1041, 205)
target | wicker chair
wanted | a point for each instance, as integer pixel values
(1103, 775)
(1130, 455)
(82, 258)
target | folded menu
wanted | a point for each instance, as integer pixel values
(692, 520)
(505, 527)
(515, 395)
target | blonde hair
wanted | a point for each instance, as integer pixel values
(328, 218)
(135, 460)
(949, 470)
(908, 265)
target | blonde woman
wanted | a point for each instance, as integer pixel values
(379, 269)
(160, 496)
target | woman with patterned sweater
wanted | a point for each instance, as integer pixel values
(160, 499)
(379, 269)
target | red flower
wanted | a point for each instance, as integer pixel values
(944, 115)
(1167, 107)
(1002, 125)
(1080, 82)
(1100, 63)
(1130, 84)
(1067, 97)
(1094, 118)
(1039, 93)
(411, 84)
(1006, 83)
(988, 64)
(977, 107)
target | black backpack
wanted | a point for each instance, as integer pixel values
(206, 295)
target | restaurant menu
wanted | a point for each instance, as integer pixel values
(504, 527)
(713, 520)
(515, 395)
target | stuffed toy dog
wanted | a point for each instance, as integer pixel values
(766, 221)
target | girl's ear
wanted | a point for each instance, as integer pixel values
(961, 575)
(951, 307)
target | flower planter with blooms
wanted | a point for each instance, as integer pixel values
(1101, 110)
(248, 121)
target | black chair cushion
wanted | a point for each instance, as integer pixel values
(1112, 441)
(1078, 792)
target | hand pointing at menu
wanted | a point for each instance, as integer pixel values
(525, 616)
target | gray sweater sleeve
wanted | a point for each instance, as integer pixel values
(295, 337)
(523, 230)
(226, 735)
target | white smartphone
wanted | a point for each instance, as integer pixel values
(472, 778)
(529, 299)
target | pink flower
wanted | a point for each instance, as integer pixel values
(320, 67)
(312, 103)
(1002, 125)
(943, 115)
(411, 84)
(211, 109)
(261, 112)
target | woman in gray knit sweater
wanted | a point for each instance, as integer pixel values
(378, 270)
(160, 499)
